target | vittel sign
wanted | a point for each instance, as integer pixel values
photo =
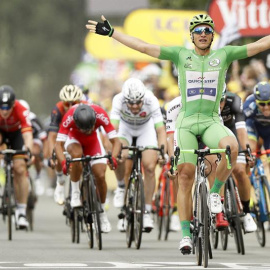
(252, 17)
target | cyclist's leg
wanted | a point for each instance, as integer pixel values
(21, 185)
(186, 172)
(122, 171)
(75, 150)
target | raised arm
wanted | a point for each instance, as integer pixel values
(260, 45)
(105, 29)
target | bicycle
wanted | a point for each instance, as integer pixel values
(91, 205)
(8, 204)
(164, 199)
(261, 204)
(134, 203)
(31, 201)
(201, 213)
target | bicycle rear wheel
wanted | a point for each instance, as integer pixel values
(167, 208)
(260, 232)
(224, 238)
(129, 214)
(233, 215)
(138, 210)
(95, 209)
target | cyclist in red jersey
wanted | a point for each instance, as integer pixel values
(69, 95)
(79, 135)
(16, 133)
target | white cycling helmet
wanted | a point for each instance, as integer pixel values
(133, 89)
(70, 93)
(25, 104)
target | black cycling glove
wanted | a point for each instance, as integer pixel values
(104, 29)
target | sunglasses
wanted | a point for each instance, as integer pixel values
(136, 102)
(70, 103)
(5, 107)
(263, 103)
(200, 29)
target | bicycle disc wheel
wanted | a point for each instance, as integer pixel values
(129, 197)
(95, 210)
(138, 210)
(167, 209)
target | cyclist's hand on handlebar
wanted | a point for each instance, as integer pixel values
(51, 162)
(163, 160)
(172, 176)
(250, 161)
(114, 163)
(64, 167)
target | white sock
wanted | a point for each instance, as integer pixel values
(60, 178)
(75, 186)
(21, 208)
(148, 208)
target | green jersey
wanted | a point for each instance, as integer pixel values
(201, 79)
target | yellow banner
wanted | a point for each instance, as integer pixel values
(103, 48)
(161, 27)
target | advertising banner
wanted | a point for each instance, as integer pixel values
(249, 17)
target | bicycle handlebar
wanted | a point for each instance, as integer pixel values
(13, 152)
(204, 152)
(89, 158)
(261, 152)
(143, 148)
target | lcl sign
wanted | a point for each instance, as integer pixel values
(251, 17)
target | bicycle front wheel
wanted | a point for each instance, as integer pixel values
(167, 208)
(95, 210)
(204, 221)
(129, 214)
(138, 210)
(10, 203)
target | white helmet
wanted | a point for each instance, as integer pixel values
(70, 93)
(133, 89)
(25, 104)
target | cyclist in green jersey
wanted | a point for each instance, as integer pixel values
(201, 81)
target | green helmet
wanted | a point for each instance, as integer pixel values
(201, 19)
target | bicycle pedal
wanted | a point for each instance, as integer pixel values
(186, 251)
(147, 230)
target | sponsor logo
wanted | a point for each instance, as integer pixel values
(68, 121)
(103, 118)
(201, 80)
(187, 65)
(173, 108)
(214, 62)
(142, 114)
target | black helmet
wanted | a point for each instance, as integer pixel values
(261, 91)
(84, 117)
(7, 96)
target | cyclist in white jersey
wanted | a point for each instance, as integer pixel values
(136, 114)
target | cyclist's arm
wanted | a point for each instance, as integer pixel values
(137, 44)
(28, 140)
(258, 46)
(170, 138)
(129, 41)
(51, 142)
(161, 135)
(116, 146)
(59, 150)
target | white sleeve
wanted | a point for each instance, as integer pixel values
(156, 111)
(116, 107)
(172, 112)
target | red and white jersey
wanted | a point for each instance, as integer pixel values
(68, 126)
(18, 119)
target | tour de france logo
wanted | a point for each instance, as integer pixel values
(214, 62)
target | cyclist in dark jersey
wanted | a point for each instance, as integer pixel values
(201, 81)
(234, 118)
(257, 112)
